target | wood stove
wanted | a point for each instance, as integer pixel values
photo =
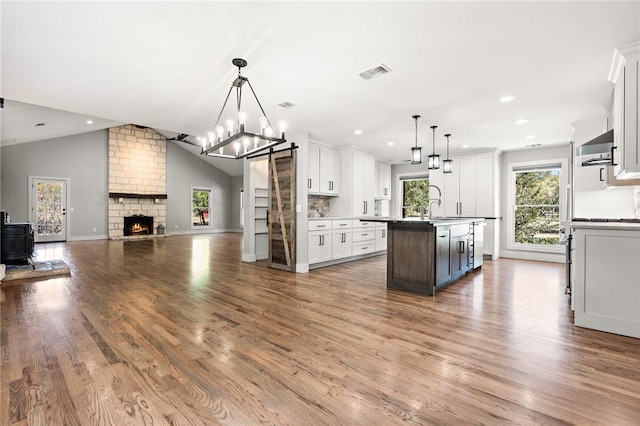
(17, 241)
(138, 224)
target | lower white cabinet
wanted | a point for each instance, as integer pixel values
(319, 246)
(381, 237)
(342, 243)
(607, 279)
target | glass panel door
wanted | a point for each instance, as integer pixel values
(49, 209)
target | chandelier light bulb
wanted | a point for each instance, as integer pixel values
(242, 119)
(283, 127)
(256, 142)
(220, 133)
(230, 128)
(236, 146)
(263, 124)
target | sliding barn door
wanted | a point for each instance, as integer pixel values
(282, 210)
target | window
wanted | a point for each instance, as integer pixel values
(201, 208)
(535, 192)
(415, 195)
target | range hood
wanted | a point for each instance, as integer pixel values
(597, 151)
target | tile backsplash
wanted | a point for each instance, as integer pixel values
(319, 206)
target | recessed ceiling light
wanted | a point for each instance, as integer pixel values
(530, 137)
(357, 132)
(521, 121)
(89, 121)
(465, 146)
(391, 143)
(507, 98)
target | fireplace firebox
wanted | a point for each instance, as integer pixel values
(138, 224)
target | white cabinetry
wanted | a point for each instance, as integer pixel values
(607, 281)
(357, 184)
(381, 237)
(364, 237)
(625, 75)
(383, 182)
(319, 241)
(470, 191)
(323, 170)
(342, 238)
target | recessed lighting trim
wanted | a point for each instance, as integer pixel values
(89, 121)
(465, 146)
(530, 137)
(507, 98)
(521, 121)
(357, 132)
(391, 143)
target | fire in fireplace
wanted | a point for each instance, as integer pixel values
(138, 224)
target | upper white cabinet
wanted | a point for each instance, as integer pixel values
(471, 190)
(358, 184)
(383, 182)
(626, 141)
(323, 170)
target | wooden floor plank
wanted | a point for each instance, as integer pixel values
(179, 331)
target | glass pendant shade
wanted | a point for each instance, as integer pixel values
(416, 151)
(447, 165)
(416, 155)
(433, 161)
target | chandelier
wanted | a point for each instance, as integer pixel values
(234, 141)
(416, 151)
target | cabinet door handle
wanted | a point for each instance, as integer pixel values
(309, 183)
(364, 207)
(384, 233)
(460, 208)
(386, 191)
(601, 170)
(344, 237)
(613, 148)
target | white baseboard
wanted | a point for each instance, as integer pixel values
(248, 257)
(88, 237)
(202, 231)
(302, 268)
(537, 256)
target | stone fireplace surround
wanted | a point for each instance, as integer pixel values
(137, 177)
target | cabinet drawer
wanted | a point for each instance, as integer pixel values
(460, 230)
(364, 234)
(364, 247)
(319, 225)
(381, 225)
(341, 224)
(359, 224)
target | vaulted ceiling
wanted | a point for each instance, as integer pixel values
(167, 65)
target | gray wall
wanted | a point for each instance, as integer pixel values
(185, 170)
(537, 154)
(80, 158)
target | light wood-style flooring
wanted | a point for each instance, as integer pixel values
(179, 331)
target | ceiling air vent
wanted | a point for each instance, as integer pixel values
(376, 71)
(284, 105)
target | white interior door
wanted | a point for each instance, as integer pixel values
(48, 209)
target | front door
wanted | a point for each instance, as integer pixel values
(48, 209)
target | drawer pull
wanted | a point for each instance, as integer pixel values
(364, 248)
(321, 226)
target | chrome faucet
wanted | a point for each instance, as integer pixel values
(432, 200)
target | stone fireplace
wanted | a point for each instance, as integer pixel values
(137, 179)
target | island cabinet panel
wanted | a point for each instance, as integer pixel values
(411, 258)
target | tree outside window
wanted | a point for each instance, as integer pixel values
(415, 196)
(200, 207)
(537, 207)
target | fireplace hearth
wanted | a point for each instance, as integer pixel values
(138, 224)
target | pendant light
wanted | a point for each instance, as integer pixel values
(416, 151)
(447, 165)
(433, 160)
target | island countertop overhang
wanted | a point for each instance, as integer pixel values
(436, 221)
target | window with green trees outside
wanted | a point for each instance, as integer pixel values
(415, 196)
(537, 206)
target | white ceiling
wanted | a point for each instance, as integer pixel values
(167, 65)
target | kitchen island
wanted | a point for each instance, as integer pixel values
(424, 255)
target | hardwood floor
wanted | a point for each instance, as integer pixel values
(179, 331)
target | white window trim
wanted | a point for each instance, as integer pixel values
(200, 188)
(512, 167)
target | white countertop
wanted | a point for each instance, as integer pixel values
(632, 226)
